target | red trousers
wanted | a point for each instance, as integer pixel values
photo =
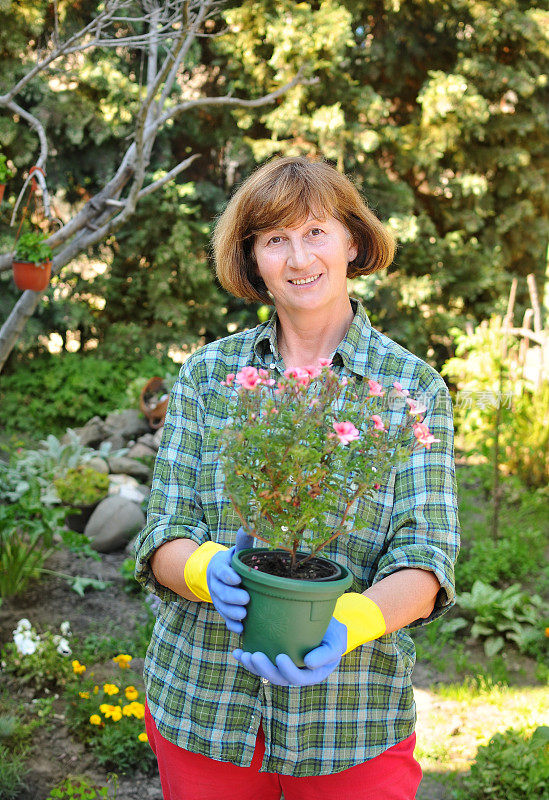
(393, 775)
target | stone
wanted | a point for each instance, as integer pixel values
(140, 450)
(158, 437)
(115, 521)
(129, 466)
(116, 481)
(117, 441)
(92, 434)
(129, 423)
(99, 464)
(148, 440)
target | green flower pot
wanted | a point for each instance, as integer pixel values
(286, 615)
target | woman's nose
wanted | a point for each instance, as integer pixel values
(299, 255)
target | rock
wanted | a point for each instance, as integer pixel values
(99, 464)
(135, 493)
(140, 450)
(128, 423)
(92, 434)
(114, 522)
(148, 440)
(129, 466)
(117, 441)
(116, 481)
(158, 436)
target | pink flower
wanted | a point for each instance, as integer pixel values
(416, 406)
(300, 374)
(376, 389)
(402, 392)
(325, 362)
(378, 422)
(423, 435)
(248, 378)
(346, 432)
(229, 380)
(376, 485)
(312, 372)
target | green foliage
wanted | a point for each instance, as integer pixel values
(39, 395)
(109, 719)
(501, 616)
(27, 529)
(13, 770)
(524, 423)
(292, 482)
(40, 660)
(31, 247)
(79, 788)
(514, 765)
(5, 172)
(82, 486)
(518, 551)
(127, 570)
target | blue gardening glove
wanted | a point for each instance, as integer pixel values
(223, 583)
(319, 662)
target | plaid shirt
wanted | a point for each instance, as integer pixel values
(201, 699)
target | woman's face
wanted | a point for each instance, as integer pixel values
(305, 268)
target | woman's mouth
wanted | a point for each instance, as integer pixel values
(305, 281)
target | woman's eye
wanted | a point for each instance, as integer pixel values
(274, 240)
(316, 231)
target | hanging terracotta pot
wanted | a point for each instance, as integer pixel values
(153, 402)
(28, 275)
(2, 187)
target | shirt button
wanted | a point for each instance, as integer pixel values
(264, 681)
(272, 366)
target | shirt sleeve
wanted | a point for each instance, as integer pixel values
(174, 509)
(424, 521)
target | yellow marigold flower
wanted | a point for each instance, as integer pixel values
(110, 688)
(111, 712)
(547, 631)
(84, 695)
(134, 709)
(123, 660)
(95, 689)
(77, 667)
(143, 737)
(131, 693)
(95, 719)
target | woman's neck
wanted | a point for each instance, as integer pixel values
(305, 338)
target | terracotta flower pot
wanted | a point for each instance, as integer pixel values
(2, 187)
(286, 615)
(152, 407)
(28, 275)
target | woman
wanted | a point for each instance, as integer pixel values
(233, 724)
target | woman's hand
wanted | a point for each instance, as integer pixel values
(223, 584)
(319, 663)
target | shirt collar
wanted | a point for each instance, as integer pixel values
(352, 351)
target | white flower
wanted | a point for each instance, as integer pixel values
(23, 625)
(26, 645)
(65, 628)
(63, 648)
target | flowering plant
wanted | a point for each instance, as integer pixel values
(109, 717)
(298, 453)
(41, 660)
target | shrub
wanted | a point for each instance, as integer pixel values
(109, 719)
(82, 486)
(512, 766)
(50, 393)
(27, 529)
(524, 423)
(500, 616)
(39, 660)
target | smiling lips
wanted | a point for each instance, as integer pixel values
(303, 281)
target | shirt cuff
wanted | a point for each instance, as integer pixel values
(430, 558)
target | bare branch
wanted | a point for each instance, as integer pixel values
(152, 187)
(34, 123)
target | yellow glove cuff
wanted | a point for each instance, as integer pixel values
(362, 617)
(196, 566)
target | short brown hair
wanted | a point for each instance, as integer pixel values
(282, 193)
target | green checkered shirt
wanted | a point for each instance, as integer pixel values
(200, 697)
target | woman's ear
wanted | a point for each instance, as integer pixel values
(353, 250)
